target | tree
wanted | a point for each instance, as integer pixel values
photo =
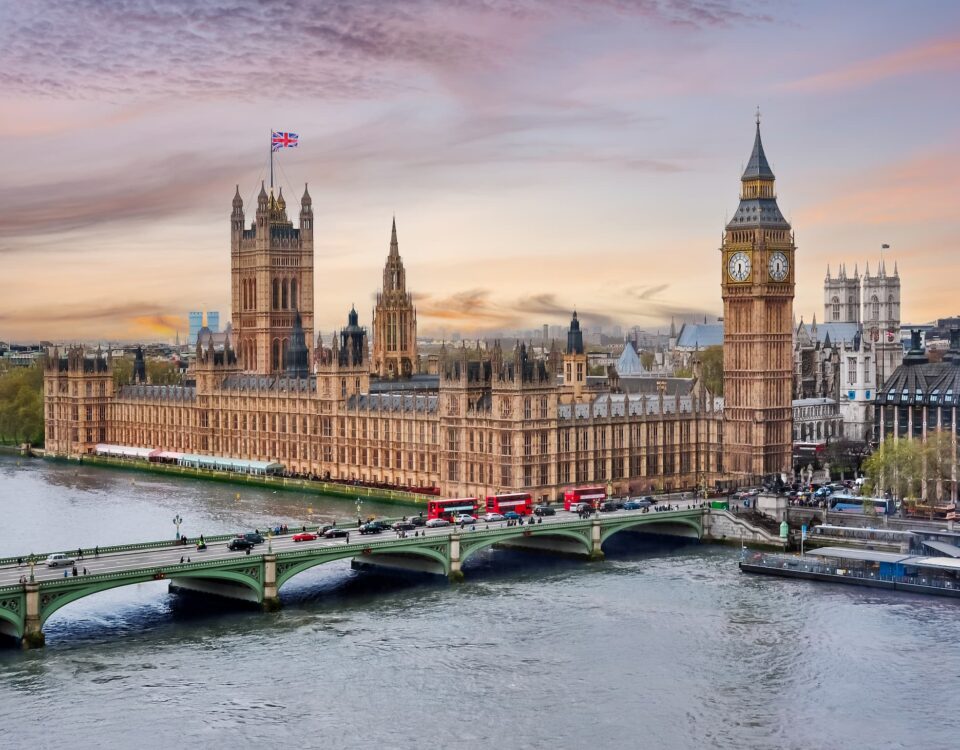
(711, 359)
(938, 459)
(895, 467)
(163, 372)
(21, 405)
(122, 370)
(845, 455)
(647, 360)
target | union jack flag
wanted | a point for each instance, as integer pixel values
(283, 140)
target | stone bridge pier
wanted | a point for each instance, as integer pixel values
(32, 626)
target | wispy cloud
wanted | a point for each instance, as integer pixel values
(145, 190)
(337, 48)
(942, 54)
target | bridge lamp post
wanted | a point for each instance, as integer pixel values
(32, 563)
(359, 506)
(177, 520)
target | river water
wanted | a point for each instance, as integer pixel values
(663, 645)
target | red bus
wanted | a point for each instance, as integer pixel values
(519, 502)
(590, 495)
(448, 509)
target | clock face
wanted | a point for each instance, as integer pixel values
(739, 266)
(778, 266)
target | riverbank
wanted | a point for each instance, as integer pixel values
(334, 489)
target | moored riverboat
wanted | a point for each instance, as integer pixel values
(939, 576)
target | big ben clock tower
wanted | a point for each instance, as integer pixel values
(757, 269)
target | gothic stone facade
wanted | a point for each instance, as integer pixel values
(491, 426)
(394, 320)
(757, 282)
(491, 423)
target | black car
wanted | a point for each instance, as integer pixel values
(418, 520)
(403, 526)
(382, 525)
(254, 537)
(370, 528)
(334, 532)
(240, 544)
(608, 507)
(544, 510)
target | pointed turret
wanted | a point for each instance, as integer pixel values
(262, 197)
(828, 272)
(394, 245)
(306, 201)
(237, 200)
(896, 273)
(757, 168)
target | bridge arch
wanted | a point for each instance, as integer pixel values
(468, 547)
(12, 612)
(693, 523)
(288, 569)
(53, 600)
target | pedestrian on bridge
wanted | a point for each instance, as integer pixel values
(348, 538)
(19, 561)
(96, 550)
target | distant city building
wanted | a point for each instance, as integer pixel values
(213, 321)
(196, 323)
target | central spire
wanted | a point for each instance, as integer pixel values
(394, 245)
(758, 168)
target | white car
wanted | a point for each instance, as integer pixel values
(434, 523)
(59, 559)
(465, 518)
(493, 517)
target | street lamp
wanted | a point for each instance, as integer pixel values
(32, 563)
(177, 520)
(359, 505)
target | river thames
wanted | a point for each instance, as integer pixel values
(663, 645)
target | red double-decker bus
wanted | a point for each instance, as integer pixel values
(449, 509)
(519, 502)
(590, 495)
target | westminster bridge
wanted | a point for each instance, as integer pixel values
(30, 594)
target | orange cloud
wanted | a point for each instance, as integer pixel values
(919, 190)
(932, 55)
(159, 325)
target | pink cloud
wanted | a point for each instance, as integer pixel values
(912, 192)
(932, 55)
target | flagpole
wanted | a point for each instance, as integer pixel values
(271, 160)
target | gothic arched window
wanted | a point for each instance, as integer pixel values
(293, 295)
(283, 295)
(836, 308)
(275, 355)
(874, 308)
(276, 294)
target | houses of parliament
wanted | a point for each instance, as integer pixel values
(490, 420)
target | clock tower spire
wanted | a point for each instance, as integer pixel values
(757, 270)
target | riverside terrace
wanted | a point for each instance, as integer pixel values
(29, 595)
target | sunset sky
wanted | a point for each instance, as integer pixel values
(538, 154)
